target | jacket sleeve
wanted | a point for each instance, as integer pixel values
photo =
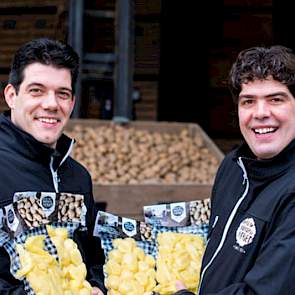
(8, 284)
(274, 269)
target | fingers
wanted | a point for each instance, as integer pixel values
(96, 291)
(179, 285)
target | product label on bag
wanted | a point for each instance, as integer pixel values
(11, 219)
(178, 211)
(47, 202)
(129, 226)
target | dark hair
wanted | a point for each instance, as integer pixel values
(47, 52)
(258, 63)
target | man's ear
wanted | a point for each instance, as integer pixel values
(10, 95)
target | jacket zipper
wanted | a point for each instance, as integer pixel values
(228, 223)
(53, 172)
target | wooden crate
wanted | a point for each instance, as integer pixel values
(128, 200)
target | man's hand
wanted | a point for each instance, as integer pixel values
(180, 286)
(96, 291)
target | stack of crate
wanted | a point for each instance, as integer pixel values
(23, 20)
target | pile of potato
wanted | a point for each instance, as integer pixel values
(115, 154)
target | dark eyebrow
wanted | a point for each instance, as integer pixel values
(279, 93)
(35, 84)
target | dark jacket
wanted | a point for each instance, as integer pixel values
(28, 165)
(251, 247)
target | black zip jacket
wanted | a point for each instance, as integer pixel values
(28, 165)
(251, 246)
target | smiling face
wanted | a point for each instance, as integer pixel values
(266, 111)
(44, 102)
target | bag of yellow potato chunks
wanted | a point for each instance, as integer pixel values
(178, 257)
(48, 261)
(130, 264)
(179, 232)
(178, 214)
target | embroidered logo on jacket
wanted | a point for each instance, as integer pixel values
(246, 232)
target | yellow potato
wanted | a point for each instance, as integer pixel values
(179, 258)
(129, 270)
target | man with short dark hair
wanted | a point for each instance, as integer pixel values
(251, 241)
(34, 152)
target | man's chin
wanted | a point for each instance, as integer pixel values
(265, 154)
(49, 141)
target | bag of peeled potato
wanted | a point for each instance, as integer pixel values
(129, 252)
(179, 252)
(42, 252)
(179, 231)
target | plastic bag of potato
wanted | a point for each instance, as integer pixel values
(179, 230)
(129, 250)
(178, 257)
(42, 251)
(48, 261)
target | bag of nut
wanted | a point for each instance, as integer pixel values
(178, 214)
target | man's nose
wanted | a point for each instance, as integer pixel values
(262, 110)
(50, 101)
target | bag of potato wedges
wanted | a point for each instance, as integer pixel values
(178, 256)
(178, 214)
(48, 261)
(130, 265)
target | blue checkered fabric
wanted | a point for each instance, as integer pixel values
(4, 237)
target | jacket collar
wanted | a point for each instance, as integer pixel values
(261, 169)
(23, 143)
